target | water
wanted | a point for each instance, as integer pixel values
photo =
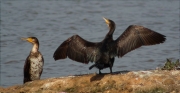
(52, 22)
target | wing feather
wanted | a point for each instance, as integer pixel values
(26, 70)
(78, 49)
(136, 36)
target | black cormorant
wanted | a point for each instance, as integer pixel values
(104, 52)
(33, 66)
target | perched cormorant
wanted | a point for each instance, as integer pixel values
(103, 53)
(33, 66)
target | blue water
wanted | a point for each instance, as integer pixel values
(52, 22)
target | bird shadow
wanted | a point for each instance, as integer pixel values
(98, 77)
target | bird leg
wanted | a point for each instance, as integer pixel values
(100, 71)
(110, 67)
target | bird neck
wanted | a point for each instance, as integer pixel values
(111, 31)
(35, 48)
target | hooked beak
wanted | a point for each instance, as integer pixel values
(24, 38)
(106, 20)
(27, 39)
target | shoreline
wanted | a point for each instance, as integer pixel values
(127, 82)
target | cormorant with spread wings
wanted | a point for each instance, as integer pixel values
(103, 53)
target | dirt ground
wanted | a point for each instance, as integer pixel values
(155, 81)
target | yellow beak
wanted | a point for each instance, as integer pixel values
(27, 39)
(106, 20)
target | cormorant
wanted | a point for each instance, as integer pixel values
(104, 52)
(33, 66)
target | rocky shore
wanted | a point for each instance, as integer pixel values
(155, 81)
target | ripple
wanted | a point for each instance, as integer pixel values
(11, 62)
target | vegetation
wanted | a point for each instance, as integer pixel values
(169, 65)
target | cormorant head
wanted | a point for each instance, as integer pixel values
(109, 22)
(32, 40)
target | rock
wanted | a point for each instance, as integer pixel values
(131, 82)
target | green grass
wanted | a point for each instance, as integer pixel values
(169, 65)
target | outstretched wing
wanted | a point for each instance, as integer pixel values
(78, 49)
(136, 36)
